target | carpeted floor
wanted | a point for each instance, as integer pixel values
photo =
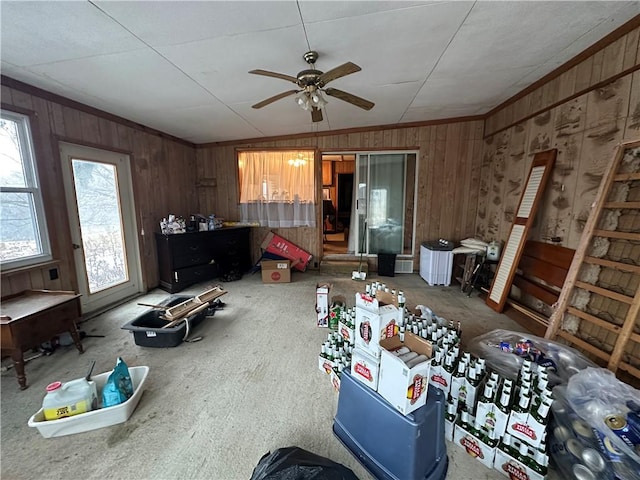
(211, 409)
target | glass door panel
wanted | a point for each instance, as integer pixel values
(99, 212)
(99, 195)
(381, 200)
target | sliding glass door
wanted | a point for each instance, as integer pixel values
(385, 191)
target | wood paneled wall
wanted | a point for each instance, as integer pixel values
(448, 168)
(163, 170)
(585, 113)
(615, 59)
(585, 129)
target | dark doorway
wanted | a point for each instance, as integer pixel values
(345, 195)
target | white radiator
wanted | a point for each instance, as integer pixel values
(404, 266)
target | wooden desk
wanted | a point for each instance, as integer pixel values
(32, 317)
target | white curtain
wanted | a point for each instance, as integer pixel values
(277, 188)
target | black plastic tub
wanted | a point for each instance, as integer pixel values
(147, 328)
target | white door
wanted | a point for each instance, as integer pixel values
(99, 197)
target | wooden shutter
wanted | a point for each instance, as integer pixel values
(541, 169)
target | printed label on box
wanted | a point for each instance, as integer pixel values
(403, 387)
(512, 468)
(346, 333)
(371, 327)
(335, 381)
(322, 304)
(444, 380)
(325, 365)
(365, 368)
(416, 388)
(437, 380)
(519, 427)
(475, 447)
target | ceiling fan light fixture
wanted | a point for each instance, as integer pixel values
(302, 99)
(311, 83)
(317, 99)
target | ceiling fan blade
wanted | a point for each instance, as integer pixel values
(341, 71)
(267, 73)
(350, 98)
(316, 114)
(274, 98)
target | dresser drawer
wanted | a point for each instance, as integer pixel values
(189, 259)
(188, 243)
(184, 277)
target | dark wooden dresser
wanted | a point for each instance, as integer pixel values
(188, 258)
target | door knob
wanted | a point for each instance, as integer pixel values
(75, 246)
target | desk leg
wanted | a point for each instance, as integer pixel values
(76, 338)
(18, 363)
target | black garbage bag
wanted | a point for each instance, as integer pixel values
(294, 463)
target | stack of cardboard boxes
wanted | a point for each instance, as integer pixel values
(372, 334)
(499, 422)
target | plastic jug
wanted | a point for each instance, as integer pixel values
(493, 251)
(68, 399)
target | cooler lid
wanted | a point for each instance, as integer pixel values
(441, 245)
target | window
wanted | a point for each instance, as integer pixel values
(277, 188)
(23, 232)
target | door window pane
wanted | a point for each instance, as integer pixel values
(98, 203)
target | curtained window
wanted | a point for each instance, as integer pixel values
(277, 188)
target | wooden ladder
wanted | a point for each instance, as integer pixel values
(623, 168)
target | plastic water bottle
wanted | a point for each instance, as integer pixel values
(68, 399)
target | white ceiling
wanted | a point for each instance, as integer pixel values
(181, 67)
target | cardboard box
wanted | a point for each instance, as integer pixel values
(365, 368)
(348, 334)
(442, 380)
(475, 447)
(322, 304)
(275, 244)
(490, 416)
(449, 428)
(458, 383)
(513, 469)
(325, 365)
(335, 381)
(435, 378)
(276, 271)
(471, 393)
(403, 387)
(526, 428)
(376, 319)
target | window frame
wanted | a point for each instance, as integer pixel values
(33, 188)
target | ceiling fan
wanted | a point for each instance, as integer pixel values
(311, 83)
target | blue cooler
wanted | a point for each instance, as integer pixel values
(390, 445)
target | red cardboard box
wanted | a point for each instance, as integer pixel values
(277, 245)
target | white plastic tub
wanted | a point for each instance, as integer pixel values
(95, 419)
